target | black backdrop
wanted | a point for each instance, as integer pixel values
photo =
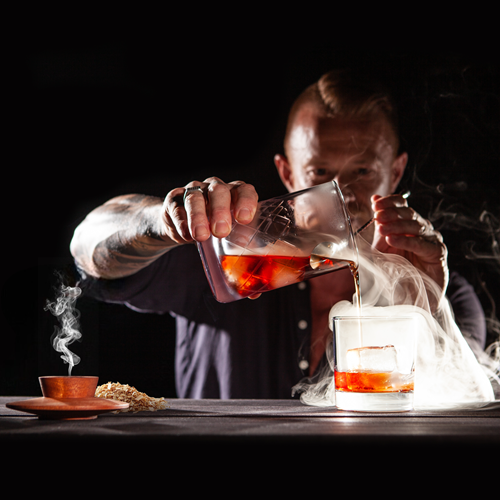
(108, 115)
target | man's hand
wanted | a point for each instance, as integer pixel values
(402, 231)
(195, 214)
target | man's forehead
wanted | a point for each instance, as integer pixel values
(311, 128)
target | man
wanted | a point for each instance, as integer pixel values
(138, 250)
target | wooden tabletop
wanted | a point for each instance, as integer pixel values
(261, 422)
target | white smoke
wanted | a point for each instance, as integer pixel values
(63, 308)
(447, 373)
(480, 232)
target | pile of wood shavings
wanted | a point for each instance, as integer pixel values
(138, 401)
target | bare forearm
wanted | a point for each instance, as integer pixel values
(129, 232)
(121, 237)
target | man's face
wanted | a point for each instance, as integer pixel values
(359, 155)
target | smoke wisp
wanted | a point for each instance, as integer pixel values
(448, 375)
(479, 234)
(68, 316)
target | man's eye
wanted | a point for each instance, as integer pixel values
(320, 171)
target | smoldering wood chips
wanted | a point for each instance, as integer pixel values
(138, 401)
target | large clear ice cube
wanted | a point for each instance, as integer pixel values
(380, 359)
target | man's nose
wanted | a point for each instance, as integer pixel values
(342, 176)
(340, 179)
(344, 188)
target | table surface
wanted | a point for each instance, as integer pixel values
(261, 422)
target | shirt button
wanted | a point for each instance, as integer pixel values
(303, 364)
(302, 285)
(302, 324)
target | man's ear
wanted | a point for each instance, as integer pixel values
(398, 169)
(284, 170)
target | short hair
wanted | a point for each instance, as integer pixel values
(346, 94)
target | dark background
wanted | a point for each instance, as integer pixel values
(107, 115)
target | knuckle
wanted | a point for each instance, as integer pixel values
(173, 198)
(173, 193)
(429, 224)
(442, 250)
(192, 184)
(213, 180)
(218, 188)
(248, 191)
(173, 203)
(240, 185)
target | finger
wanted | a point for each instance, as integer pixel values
(174, 217)
(244, 199)
(196, 212)
(405, 222)
(384, 202)
(410, 227)
(219, 201)
(237, 196)
(394, 213)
